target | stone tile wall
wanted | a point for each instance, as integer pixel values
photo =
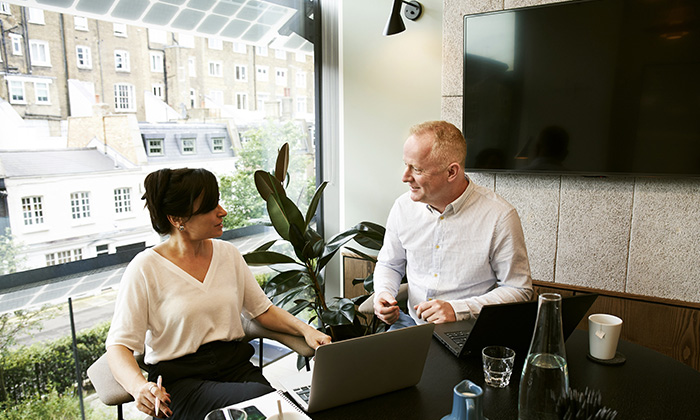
(634, 235)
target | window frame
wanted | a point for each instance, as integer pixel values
(39, 99)
(216, 68)
(80, 206)
(122, 201)
(32, 210)
(155, 146)
(80, 23)
(86, 62)
(122, 61)
(16, 45)
(14, 97)
(156, 60)
(124, 97)
(40, 53)
(188, 145)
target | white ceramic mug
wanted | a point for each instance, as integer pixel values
(603, 335)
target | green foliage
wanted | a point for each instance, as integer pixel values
(50, 406)
(300, 285)
(42, 367)
(238, 194)
(11, 253)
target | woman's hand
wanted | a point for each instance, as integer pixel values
(146, 396)
(315, 338)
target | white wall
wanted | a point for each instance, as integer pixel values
(387, 85)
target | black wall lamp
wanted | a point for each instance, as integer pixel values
(395, 24)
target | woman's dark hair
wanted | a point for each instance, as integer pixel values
(172, 192)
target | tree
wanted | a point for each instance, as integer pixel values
(11, 258)
(259, 150)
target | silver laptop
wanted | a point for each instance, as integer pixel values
(350, 370)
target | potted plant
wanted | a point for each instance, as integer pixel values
(299, 283)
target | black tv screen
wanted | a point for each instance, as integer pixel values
(596, 87)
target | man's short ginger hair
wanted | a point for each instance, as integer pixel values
(448, 142)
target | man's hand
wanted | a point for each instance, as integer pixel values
(386, 308)
(435, 311)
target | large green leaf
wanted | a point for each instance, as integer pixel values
(362, 254)
(284, 281)
(268, 185)
(282, 163)
(266, 245)
(283, 213)
(370, 235)
(298, 241)
(340, 312)
(314, 202)
(268, 257)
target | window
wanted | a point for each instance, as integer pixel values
(261, 51)
(32, 210)
(188, 146)
(301, 79)
(122, 200)
(63, 257)
(217, 144)
(102, 249)
(239, 47)
(185, 40)
(83, 56)
(35, 16)
(241, 73)
(120, 30)
(215, 99)
(80, 23)
(80, 205)
(155, 147)
(39, 53)
(281, 54)
(262, 72)
(262, 98)
(158, 90)
(300, 57)
(5, 8)
(16, 41)
(157, 61)
(16, 92)
(215, 44)
(192, 67)
(281, 77)
(157, 36)
(193, 98)
(242, 101)
(41, 91)
(215, 68)
(121, 60)
(124, 97)
(301, 105)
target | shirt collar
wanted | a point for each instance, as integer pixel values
(457, 205)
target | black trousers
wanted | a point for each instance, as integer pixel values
(217, 375)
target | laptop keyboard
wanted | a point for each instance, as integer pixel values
(303, 392)
(459, 337)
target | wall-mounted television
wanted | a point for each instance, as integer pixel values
(594, 87)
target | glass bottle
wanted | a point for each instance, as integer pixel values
(545, 377)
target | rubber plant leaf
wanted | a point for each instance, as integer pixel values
(284, 281)
(256, 258)
(311, 211)
(282, 163)
(268, 185)
(283, 213)
(370, 235)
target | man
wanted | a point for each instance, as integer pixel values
(460, 245)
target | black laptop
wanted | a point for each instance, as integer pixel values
(508, 324)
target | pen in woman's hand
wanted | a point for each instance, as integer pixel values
(160, 388)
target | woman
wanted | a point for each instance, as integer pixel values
(181, 302)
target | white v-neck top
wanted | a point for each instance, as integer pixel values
(161, 306)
